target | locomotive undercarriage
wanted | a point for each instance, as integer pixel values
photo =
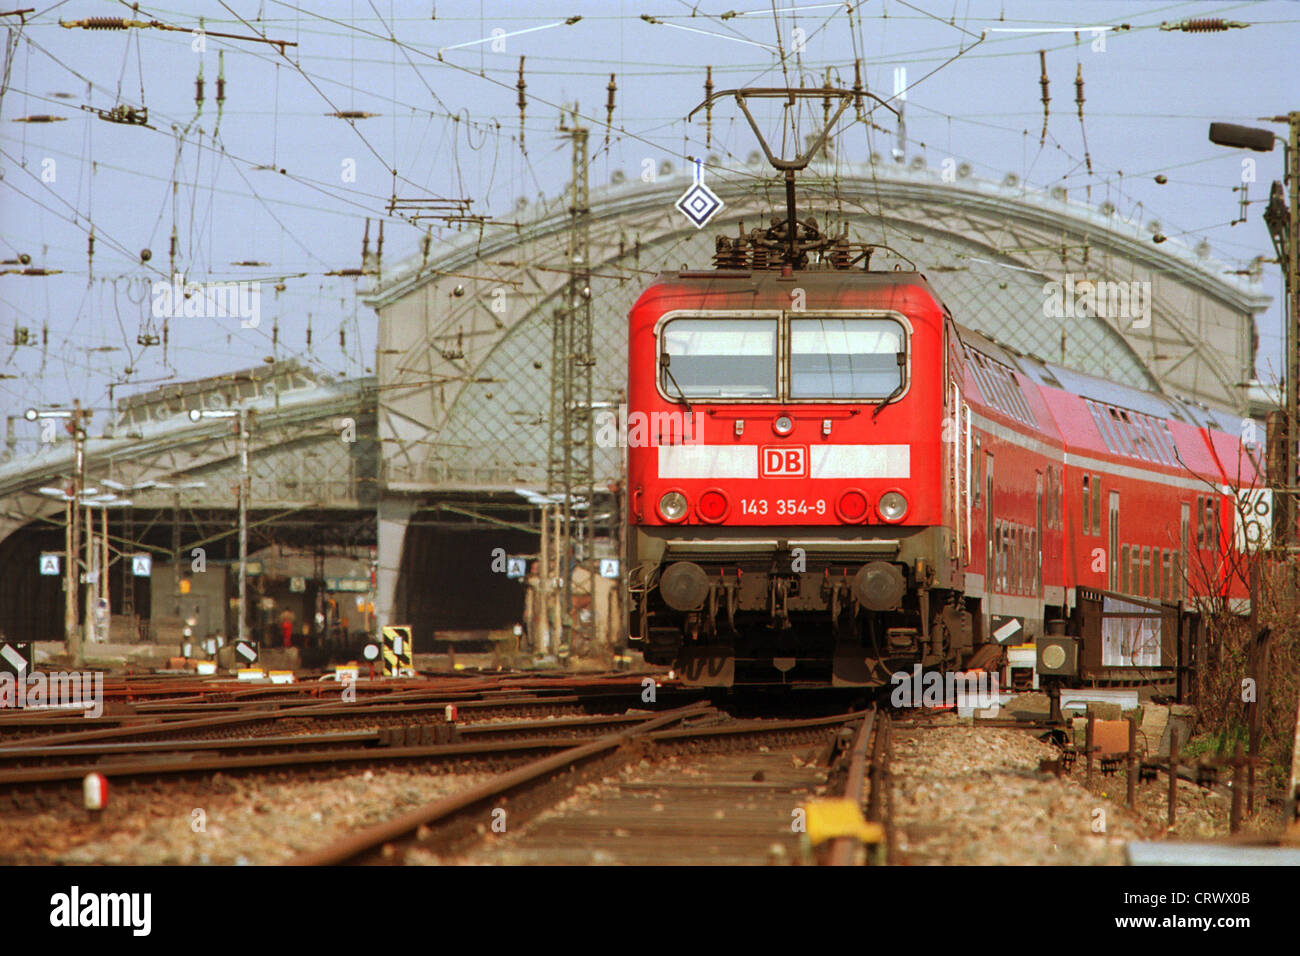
(780, 611)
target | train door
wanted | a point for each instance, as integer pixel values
(1113, 543)
(952, 432)
(990, 540)
(1183, 573)
(966, 481)
(1038, 536)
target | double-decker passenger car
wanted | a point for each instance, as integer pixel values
(834, 479)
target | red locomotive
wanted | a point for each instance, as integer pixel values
(830, 478)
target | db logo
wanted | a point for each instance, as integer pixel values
(783, 461)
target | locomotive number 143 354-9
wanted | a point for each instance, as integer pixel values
(782, 506)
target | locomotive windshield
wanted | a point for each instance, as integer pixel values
(830, 358)
(723, 358)
(845, 358)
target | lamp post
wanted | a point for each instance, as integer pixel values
(241, 415)
(1284, 229)
(76, 418)
(1282, 226)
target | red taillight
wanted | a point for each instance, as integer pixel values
(852, 507)
(712, 506)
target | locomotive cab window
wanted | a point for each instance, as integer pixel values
(720, 358)
(839, 358)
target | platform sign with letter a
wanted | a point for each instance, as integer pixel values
(50, 564)
(141, 565)
(399, 657)
(516, 568)
(609, 567)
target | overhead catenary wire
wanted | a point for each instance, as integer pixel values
(342, 198)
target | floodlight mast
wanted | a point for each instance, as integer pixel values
(790, 166)
(1284, 229)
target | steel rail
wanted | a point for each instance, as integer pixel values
(359, 846)
(383, 842)
(46, 756)
(843, 849)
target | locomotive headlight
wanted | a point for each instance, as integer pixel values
(783, 425)
(673, 506)
(892, 506)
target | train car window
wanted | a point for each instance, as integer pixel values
(1134, 435)
(1023, 541)
(1018, 542)
(990, 567)
(1096, 504)
(1123, 569)
(1141, 444)
(1152, 442)
(999, 547)
(1155, 573)
(1112, 542)
(1146, 572)
(1060, 498)
(1086, 522)
(720, 358)
(1036, 562)
(1184, 522)
(1121, 433)
(1026, 560)
(1157, 441)
(1165, 559)
(1178, 577)
(1099, 418)
(1009, 562)
(1004, 559)
(1135, 582)
(1018, 399)
(1000, 387)
(1167, 437)
(845, 358)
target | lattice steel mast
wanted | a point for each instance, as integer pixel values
(570, 472)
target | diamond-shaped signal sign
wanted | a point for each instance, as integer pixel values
(699, 204)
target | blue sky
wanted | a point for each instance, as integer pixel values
(450, 128)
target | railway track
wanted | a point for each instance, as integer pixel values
(260, 717)
(688, 786)
(111, 756)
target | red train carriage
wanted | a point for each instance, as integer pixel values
(829, 480)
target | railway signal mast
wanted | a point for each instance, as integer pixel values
(77, 419)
